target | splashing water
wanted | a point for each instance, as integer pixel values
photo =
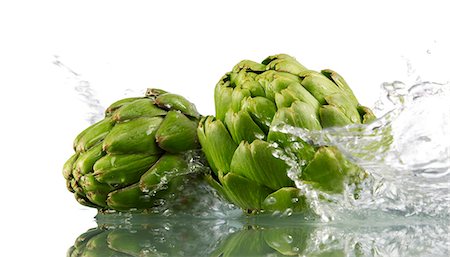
(406, 151)
(85, 92)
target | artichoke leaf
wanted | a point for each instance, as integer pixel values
(93, 134)
(134, 136)
(332, 116)
(326, 170)
(217, 143)
(256, 161)
(286, 198)
(167, 167)
(177, 133)
(242, 127)
(170, 101)
(144, 107)
(318, 85)
(123, 170)
(244, 192)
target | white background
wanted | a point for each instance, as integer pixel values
(183, 47)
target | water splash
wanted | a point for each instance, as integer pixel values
(406, 151)
(85, 92)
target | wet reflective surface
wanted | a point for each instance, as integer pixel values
(142, 235)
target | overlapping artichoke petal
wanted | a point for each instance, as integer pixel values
(123, 169)
(134, 136)
(93, 134)
(256, 161)
(167, 167)
(242, 127)
(285, 198)
(326, 170)
(170, 101)
(177, 133)
(246, 193)
(138, 108)
(217, 144)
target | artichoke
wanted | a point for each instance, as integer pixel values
(244, 145)
(135, 158)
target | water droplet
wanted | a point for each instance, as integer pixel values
(270, 200)
(289, 239)
(288, 212)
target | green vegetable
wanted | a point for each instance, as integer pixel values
(135, 157)
(243, 141)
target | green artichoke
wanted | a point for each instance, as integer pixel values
(135, 157)
(243, 142)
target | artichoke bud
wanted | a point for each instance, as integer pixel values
(254, 105)
(170, 101)
(177, 133)
(112, 155)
